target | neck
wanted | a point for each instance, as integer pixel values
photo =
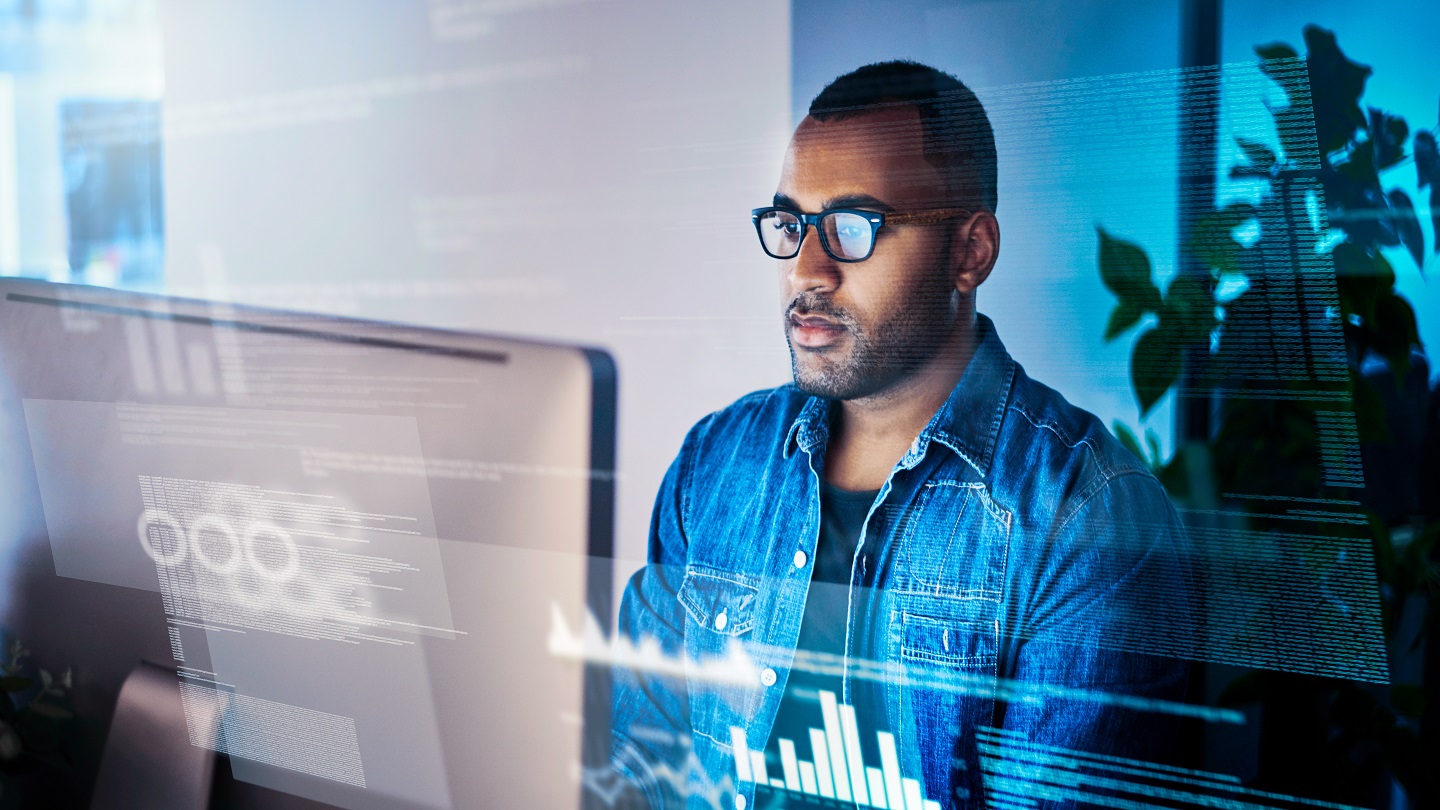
(872, 432)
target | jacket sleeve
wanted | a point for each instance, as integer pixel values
(650, 709)
(1099, 649)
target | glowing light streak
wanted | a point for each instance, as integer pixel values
(738, 667)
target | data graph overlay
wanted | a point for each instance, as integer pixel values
(837, 768)
(1019, 773)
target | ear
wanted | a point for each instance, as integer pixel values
(975, 249)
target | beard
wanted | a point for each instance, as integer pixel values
(878, 356)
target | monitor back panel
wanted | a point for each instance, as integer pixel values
(356, 542)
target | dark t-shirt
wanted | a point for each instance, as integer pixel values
(822, 630)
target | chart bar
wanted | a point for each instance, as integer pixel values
(851, 730)
(789, 766)
(742, 754)
(890, 764)
(807, 778)
(914, 799)
(757, 767)
(822, 764)
(877, 787)
(838, 769)
(831, 717)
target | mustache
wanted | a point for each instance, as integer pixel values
(813, 304)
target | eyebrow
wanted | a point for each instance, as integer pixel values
(845, 201)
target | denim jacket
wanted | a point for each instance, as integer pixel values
(1017, 571)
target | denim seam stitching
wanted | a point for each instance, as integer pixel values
(1054, 427)
(1078, 503)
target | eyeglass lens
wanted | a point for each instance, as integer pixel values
(844, 235)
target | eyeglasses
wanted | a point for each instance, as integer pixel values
(846, 234)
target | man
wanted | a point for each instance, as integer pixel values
(895, 581)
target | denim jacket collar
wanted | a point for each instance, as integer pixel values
(967, 423)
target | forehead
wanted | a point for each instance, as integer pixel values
(878, 154)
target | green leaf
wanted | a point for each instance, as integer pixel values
(1434, 222)
(1407, 225)
(1210, 240)
(1257, 155)
(1273, 65)
(1427, 175)
(1387, 137)
(1275, 50)
(1127, 438)
(1125, 315)
(1188, 313)
(1154, 366)
(1336, 84)
(1427, 159)
(1125, 271)
(1395, 325)
(1294, 129)
(1152, 442)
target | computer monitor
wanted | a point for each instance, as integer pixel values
(354, 541)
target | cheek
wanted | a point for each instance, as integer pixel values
(897, 297)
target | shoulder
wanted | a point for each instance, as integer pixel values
(1065, 453)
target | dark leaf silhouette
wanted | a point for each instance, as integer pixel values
(1127, 437)
(1125, 315)
(1427, 174)
(1188, 313)
(1125, 271)
(1211, 242)
(1275, 50)
(1427, 159)
(1387, 137)
(1258, 158)
(1336, 85)
(1154, 366)
(1407, 225)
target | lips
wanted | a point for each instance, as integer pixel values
(814, 331)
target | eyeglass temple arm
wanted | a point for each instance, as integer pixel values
(927, 217)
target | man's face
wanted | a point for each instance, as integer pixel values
(857, 329)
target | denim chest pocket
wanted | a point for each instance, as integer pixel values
(954, 543)
(722, 602)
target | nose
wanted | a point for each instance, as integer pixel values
(812, 269)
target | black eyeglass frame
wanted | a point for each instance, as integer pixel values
(877, 220)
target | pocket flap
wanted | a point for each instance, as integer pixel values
(961, 640)
(722, 601)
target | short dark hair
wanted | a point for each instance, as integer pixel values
(957, 138)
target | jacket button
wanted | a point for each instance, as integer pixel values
(740, 802)
(721, 620)
(767, 676)
(800, 559)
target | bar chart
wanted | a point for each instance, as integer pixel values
(836, 769)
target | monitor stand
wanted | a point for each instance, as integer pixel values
(149, 760)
